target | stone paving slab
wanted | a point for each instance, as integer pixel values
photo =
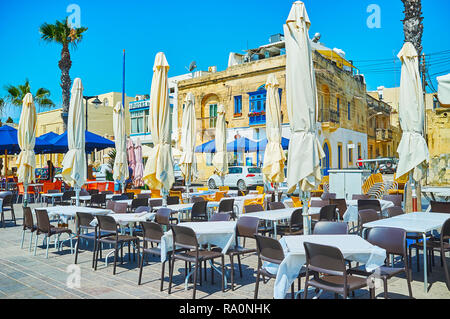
(23, 275)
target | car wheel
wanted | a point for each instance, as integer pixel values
(211, 184)
(241, 185)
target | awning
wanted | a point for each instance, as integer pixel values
(93, 142)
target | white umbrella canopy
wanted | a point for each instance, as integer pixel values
(139, 168)
(26, 136)
(412, 150)
(74, 170)
(305, 151)
(274, 158)
(220, 160)
(158, 172)
(187, 161)
(120, 170)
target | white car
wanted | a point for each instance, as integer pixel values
(238, 176)
(177, 174)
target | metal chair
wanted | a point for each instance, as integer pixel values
(108, 225)
(185, 237)
(28, 224)
(393, 240)
(44, 227)
(269, 250)
(330, 228)
(329, 262)
(220, 217)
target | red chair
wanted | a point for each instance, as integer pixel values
(21, 192)
(57, 185)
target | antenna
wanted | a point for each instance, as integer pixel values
(192, 67)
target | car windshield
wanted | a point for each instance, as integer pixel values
(254, 170)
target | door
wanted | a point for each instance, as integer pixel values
(326, 160)
(340, 156)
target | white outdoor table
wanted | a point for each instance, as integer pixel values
(127, 219)
(71, 211)
(352, 247)
(221, 234)
(417, 222)
(53, 196)
(351, 214)
(431, 192)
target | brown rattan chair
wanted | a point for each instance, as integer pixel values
(138, 202)
(393, 240)
(394, 211)
(440, 207)
(360, 196)
(330, 228)
(396, 199)
(152, 233)
(98, 200)
(93, 191)
(155, 202)
(173, 200)
(295, 226)
(162, 216)
(263, 228)
(329, 262)
(198, 212)
(184, 237)
(220, 217)
(227, 206)
(341, 205)
(7, 205)
(369, 204)
(120, 208)
(145, 195)
(328, 196)
(269, 250)
(276, 205)
(110, 205)
(195, 199)
(129, 195)
(28, 224)
(88, 232)
(366, 216)
(44, 227)
(108, 225)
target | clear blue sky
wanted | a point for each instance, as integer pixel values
(205, 31)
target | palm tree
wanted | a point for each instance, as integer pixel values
(412, 24)
(62, 33)
(16, 95)
(413, 30)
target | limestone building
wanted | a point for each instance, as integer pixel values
(342, 104)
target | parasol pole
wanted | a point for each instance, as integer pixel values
(305, 197)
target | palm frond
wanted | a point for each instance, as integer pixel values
(42, 93)
(45, 102)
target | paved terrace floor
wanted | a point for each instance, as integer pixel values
(23, 275)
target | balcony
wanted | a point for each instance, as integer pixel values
(256, 118)
(383, 135)
(330, 119)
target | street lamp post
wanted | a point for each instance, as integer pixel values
(96, 102)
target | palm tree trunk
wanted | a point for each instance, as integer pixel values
(413, 30)
(65, 64)
(412, 24)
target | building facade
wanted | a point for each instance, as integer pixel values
(140, 111)
(342, 107)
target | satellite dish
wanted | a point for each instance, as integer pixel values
(192, 66)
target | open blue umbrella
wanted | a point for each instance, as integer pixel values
(241, 144)
(43, 144)
(208, 147)
(8, 140)
(261, 145)
(93, 142)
